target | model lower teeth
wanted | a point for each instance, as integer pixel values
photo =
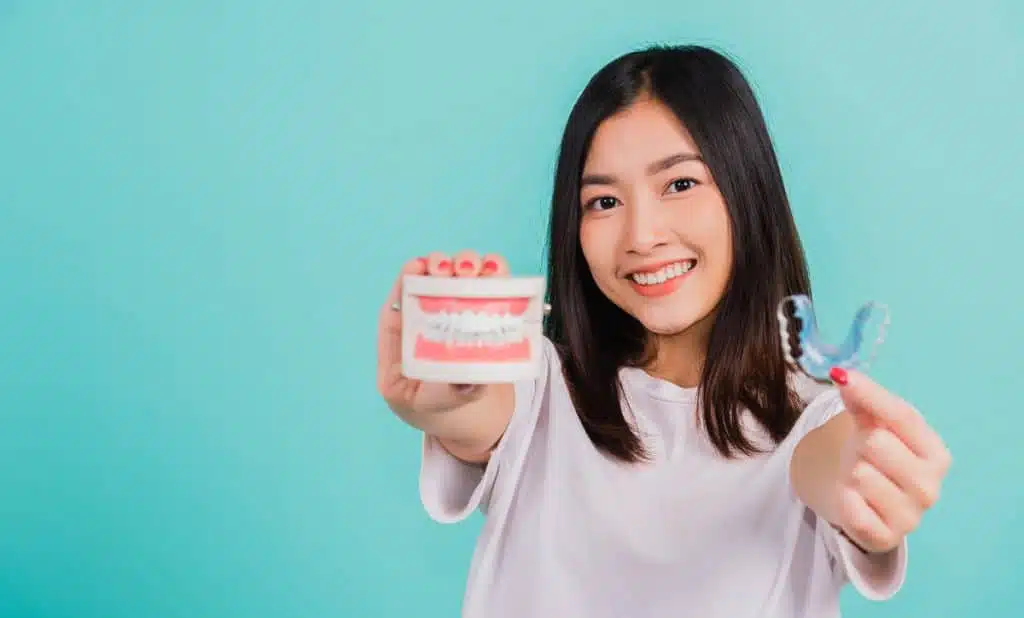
(668, 272)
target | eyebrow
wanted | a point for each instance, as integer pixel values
(658, 166)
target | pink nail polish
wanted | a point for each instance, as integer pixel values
(839, 376)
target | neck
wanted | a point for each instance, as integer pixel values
(679, 358)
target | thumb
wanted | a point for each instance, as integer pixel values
(389, 328)
(443, 395)
(873, 405)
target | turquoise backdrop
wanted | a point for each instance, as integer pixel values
(203, 203)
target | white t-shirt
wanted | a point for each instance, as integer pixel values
(570, 532)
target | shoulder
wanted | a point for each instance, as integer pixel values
(451, 489)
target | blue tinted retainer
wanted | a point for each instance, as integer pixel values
(805, 348)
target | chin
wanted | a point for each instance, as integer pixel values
(667, 330)
(665, 321)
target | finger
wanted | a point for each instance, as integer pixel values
(439, 264)
(389, 338)
(889, 503)
(862, 523)
(467, 264)
(390, 323)
(416, 266)
(494, 266)
(865, 397)
(911, 474)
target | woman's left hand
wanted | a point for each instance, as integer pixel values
(892, 465)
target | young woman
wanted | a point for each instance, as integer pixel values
(668, 462)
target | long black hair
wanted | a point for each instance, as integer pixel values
(744, 368)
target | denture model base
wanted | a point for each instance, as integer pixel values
(473, 330)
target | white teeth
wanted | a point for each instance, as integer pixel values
(665, 273)
(468, 328)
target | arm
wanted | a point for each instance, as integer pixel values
(816, 472)
(814, 469)
(470, 430)
(473, 453)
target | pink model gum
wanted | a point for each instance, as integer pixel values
(472, 330)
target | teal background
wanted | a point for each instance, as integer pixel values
(202, 205)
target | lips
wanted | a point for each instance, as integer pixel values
(663, 272)
(662, 279)
(472, 330)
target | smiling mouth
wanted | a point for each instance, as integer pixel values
(663, 274)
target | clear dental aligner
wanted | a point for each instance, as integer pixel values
(804, 346)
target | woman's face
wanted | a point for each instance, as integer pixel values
(654, 229)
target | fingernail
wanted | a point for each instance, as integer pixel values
(421, 262)
(444, 265)
(465, 265)
(489, 267)
(838, 375)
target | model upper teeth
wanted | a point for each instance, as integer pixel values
(471, 328)
(665, 273)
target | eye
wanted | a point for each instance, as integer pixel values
(681, 184)
(601, 203)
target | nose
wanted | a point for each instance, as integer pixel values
(646, 228)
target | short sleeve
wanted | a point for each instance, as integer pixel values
(451, 489)
(875, 577)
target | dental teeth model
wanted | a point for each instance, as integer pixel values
(471, 330)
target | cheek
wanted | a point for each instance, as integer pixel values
(587, 243)
(715, 234)
(598, 243)
(597, 249)
(723, 241)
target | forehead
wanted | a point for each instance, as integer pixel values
(631, 139)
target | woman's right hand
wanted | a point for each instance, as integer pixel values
(413, 400)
